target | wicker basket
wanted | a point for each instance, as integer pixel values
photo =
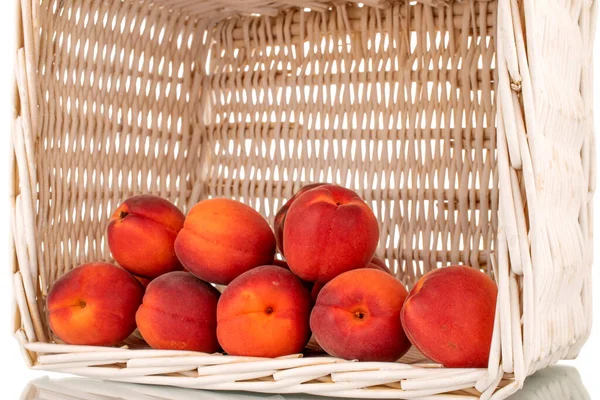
(467, 126)
(554, 383)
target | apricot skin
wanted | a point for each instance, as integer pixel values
(357, 317)
(141, 235)
(449, 316)
(264, 313)
(329, 230)
(222, 239)
(179, 312)
(94, 304)
(376, 263)
(282, 214)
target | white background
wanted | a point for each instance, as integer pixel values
(14, 375)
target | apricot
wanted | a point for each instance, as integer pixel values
(141, 235)
(222, 239)
(449, 316)
(282, 214)
(179, 312)
(329, 230)
(357, 317)
(94, 304)
(376, 263)
(264, 313)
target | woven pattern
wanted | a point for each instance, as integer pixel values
(374, 100)
(118, 117)
(270, 114)
(563, 159)
(221, 9)
(466, 126)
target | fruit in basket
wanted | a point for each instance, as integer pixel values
(357, 317)
(376, 263)
(329, 230)
(449, 316)
(94, 304)
(282, 214)
(179, 312)
(222, 239)
(141, 235)
(264, 313)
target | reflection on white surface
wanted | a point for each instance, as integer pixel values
(555, 383)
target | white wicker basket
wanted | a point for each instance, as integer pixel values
(554, 383)
(467, 126)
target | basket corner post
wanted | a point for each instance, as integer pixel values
(28, 278)
(537, 136)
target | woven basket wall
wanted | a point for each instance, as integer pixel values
(467, 127)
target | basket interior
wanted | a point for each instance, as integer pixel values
(396, 103)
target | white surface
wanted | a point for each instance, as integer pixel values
(15, 376)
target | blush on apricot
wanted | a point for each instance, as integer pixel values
(282, 214)
(376, 263)
(94, 304)
(222, 239)
(264, 313)
(357, 317)
(449, 316)
(179, 312)
(141, 235)
(329, 230)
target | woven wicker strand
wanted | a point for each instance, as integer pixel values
(221, 9)
(466, 126)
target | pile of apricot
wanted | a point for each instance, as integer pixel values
(221, 280)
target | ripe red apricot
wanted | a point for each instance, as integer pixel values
(179, 312)
(357, 317)
(222, 239)
(376, 263)
(94, 304)
(449, 316)
(282, 214)
(264, 313)
(329, 230)
(141, 235)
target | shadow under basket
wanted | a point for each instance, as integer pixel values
(466, 126)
